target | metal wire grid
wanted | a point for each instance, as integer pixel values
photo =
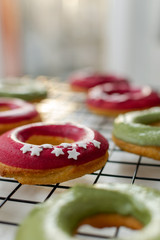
(17, 200)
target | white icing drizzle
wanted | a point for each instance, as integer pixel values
(73, 154)
(117, 97)
(58, 151)
(97, 93)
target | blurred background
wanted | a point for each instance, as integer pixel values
(57, 37)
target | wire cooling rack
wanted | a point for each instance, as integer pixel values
(17, 200)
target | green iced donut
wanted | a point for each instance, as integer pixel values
(58, 218)
(26, 89)
(132, 127)
(139, 132)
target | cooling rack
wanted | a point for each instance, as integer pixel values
(62, 105)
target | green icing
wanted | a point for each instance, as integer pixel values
(57, 218)
(26, 90)
(132, 127)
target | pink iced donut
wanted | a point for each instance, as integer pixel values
(43, 153)
(15, 112)
(83, 82)
(113, 99)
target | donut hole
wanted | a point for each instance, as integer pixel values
(6, 107)
(148, 118)
(152, 124)
(155, 124)
(119, 91)
(41, 139)
(51, 134)
(112, 220)
(101, 222)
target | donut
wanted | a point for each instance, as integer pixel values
(43, 153)
(27, 89)
(114, 99)
(83, 82)
(16, 112)
(101, 205)
(138, 132)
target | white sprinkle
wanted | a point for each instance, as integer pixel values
(47, 145)
(65, 145)
(58, 151)
(73, 154)
(82, 144)
(35, 151)
(26, 148)
(96, 143)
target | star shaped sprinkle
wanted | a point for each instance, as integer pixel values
(96, 143)
(73, 154)
(82, 144)
(65, 145)
(47, 145)
(26, 148)
(35, 151)
(58, 151)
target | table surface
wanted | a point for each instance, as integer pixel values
(17, 200)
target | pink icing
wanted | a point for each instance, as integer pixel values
(120, 97)
(12, 143)
(19, 110)
(90, 81)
